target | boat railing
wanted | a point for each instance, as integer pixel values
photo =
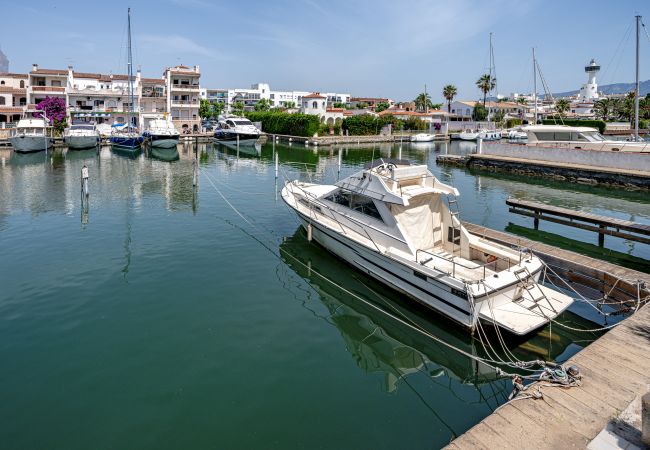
(313, 203)
(454, 263)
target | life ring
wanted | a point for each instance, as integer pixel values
(491, 259)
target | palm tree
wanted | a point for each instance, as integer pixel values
(603, 108)
(521, 101)
(486, 83)
(449, 92)
(561, 106)
(422, 102)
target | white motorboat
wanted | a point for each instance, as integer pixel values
(489, 135)
(468, 135)
(516, 134)
(234, 130)
(161, 133)
(31, 135)
(392, 222)
(580, 138)
(81, 135)
(423, 137)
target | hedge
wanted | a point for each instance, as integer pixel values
(275, 122)
(510, 123)
(577, 123)
(369, 125)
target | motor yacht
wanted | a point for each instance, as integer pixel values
(489, 135)
(161, 133)
(399, 224)
(236, 131)
(81, 135)
(423, 137)
(31, 135)
(578, 138)
(468, 135)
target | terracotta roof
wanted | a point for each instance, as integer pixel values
(335, 109)
(185, 72)
(95, 76)
(50, 72)
(13, 75)
(402, 112)
(314, 95)
(153, 80)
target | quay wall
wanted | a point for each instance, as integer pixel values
(594, 158)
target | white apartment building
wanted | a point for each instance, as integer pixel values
(13, 96)
(183, 96)
(249, 97)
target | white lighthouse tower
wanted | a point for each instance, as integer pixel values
(589, 91)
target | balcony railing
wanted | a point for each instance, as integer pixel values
(185, 102)
(186, 87)
(48, 89)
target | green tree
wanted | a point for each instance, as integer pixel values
(486, 83)
(289, 105)
(449, 92)
(362, 105)
(603, 108)
(340, 105)
(480, 113)
(263, 105)
(423, 102)
(238, 108)
(217, 109)
(521, 101)
(498, 116)
(205, 109)
(381, 106)
(562, 106)
(435, 106)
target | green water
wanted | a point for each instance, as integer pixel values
(162, 318)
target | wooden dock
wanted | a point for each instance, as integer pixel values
(602, 225)
(615, 370)
(593, 278)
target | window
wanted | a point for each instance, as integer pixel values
(356, 202)
(56, 83)
(2, 82)
(314, 105)
(2, 100)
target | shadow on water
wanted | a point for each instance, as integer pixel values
(591, 250)
(163, 154)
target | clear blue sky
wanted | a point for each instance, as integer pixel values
(366, 47)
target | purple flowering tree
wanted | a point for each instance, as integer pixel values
(55, 110)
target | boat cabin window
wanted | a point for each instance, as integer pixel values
(356, 202)
(82, 127)
(230, 123)
(243, 122)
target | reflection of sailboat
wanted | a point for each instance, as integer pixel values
(164, 154)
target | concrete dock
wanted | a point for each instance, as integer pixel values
(615, 370)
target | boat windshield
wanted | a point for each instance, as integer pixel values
(593, 136)
(243, 122)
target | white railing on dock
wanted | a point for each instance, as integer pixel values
(593, 158)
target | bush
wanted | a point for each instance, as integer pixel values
(413, 123)
(276, 122)
(600, 124)
(513, 123)
(367, 124)
(643, 124)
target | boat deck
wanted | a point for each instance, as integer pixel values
(461, 268)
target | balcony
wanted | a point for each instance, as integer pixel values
(185, 103)
(53, 89)
(185, 87)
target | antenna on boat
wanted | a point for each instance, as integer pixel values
(636, 92)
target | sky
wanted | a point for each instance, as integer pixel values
(368, 48)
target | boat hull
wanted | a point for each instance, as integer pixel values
(163, 141)
(423, 138)
(81, 142)
(232, 138)
(126, 143)
(26, 144)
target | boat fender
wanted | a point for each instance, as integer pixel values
(491, 258)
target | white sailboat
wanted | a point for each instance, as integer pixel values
(392, 222)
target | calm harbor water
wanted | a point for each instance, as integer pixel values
(163, 318)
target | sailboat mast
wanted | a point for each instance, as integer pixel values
(636, 91)
(426, 101)
(130, 70)
(535, 84)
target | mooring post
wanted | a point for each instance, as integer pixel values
(338, 173)
(536, 220)
(601, 236)
(237, 141)
(479, 146)
(277, 164)
(399, 154)
(645, 419)
(84, 181)
(195, 172)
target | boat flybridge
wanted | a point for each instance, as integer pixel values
(161, 133)
(578, 138)
(399, 224)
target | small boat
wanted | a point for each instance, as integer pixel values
(423, 137)
(489, 135)
(161, 133)
(468, 135)
(128, 138)
(399, 224)
(516, 134)
(31, 134)
(236, 131)
(81, 136)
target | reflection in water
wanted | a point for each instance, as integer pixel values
(164, 154)
(375, 331)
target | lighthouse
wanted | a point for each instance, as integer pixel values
(589, 91)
